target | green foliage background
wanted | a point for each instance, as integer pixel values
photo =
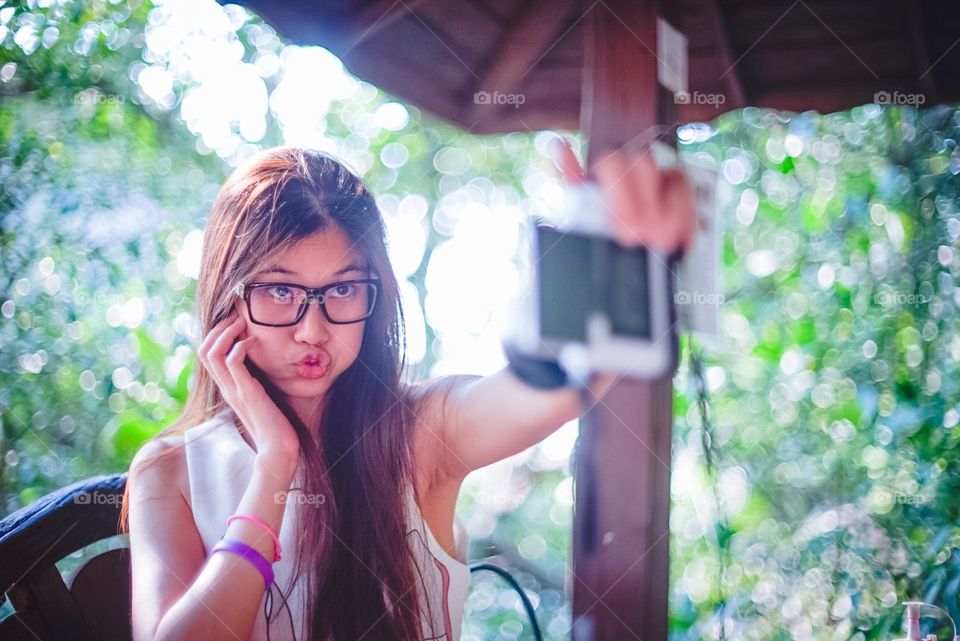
(832, 395)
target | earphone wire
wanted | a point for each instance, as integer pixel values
(268, 610)
(707, 440)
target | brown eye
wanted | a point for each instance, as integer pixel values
(280, 293)
(343, 291)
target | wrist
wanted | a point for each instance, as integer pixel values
(278, 463)
(543, 372)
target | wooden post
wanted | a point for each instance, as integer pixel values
(621, 520)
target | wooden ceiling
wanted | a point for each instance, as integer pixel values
(795, 55)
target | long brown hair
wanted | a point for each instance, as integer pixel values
(361, 582)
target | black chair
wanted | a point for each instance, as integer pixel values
(91, 605)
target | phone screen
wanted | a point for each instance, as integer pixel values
(580, 274)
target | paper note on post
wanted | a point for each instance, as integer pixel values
(671, 57)
(698, 297)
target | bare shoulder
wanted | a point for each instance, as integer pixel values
(437, 396)
(159, 469)
(435, 400)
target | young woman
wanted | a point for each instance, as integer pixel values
(307, 491)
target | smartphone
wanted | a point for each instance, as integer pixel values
(597, 306)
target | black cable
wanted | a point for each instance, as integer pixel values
(268, 610)
(476, 567)
(707, 443)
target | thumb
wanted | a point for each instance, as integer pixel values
(566, 161)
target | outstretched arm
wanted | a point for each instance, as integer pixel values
(486, 419)
(489, 418)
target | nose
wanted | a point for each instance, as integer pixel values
(313, 327)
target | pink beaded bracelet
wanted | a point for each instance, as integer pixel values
(260, 522)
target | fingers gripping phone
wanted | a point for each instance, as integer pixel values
(591, 304)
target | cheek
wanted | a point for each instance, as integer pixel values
(356, 337)
(345, 346)
(263, 351)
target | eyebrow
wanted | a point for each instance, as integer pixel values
(282, 270)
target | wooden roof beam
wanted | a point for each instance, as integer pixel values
(376, 16)
(303, 22)
(731, 78)
(921, 52)
(519, 49)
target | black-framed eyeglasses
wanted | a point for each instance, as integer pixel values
(283, 304)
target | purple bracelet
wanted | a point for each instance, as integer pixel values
(250, 554)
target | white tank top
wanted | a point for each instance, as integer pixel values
(220, 466)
